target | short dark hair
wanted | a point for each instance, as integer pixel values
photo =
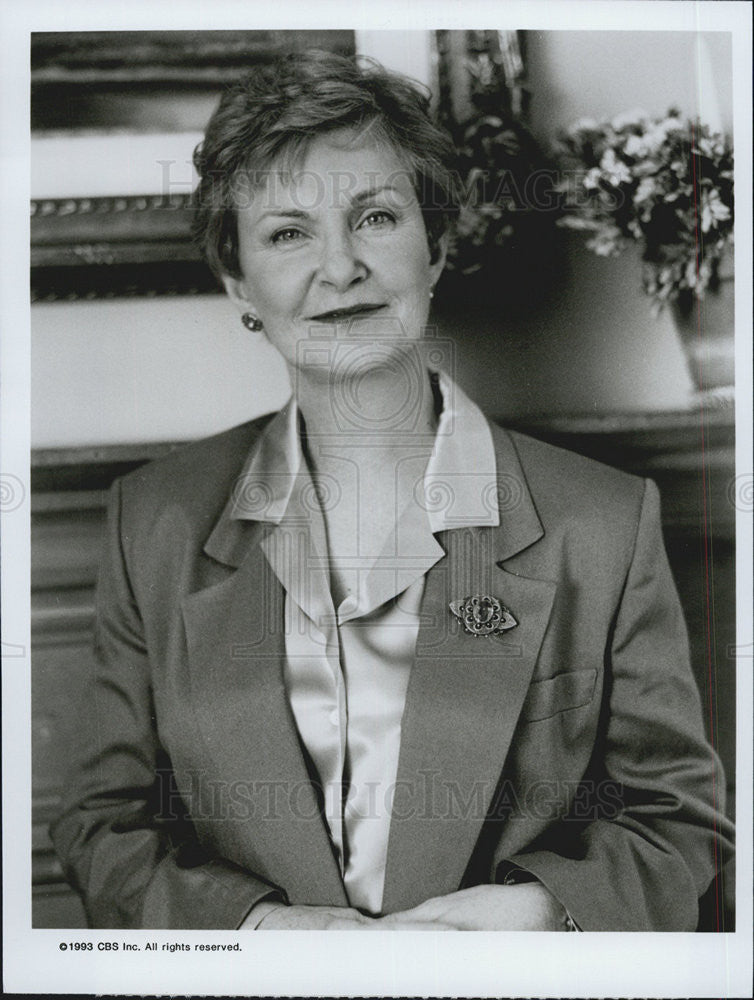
(274, 111)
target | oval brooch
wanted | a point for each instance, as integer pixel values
(482, 615)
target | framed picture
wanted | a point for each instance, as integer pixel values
(100, 91)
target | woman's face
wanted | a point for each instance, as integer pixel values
(336, 248)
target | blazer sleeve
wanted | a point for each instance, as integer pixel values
(644, 864)
(124, 838)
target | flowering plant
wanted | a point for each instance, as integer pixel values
(667, 183)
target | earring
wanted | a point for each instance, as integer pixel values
(252, 323)
(431, 293)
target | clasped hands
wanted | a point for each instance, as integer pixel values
(525, 907)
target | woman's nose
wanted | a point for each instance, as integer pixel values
(340, 263)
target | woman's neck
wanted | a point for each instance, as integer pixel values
(375, 415)
(367, 440)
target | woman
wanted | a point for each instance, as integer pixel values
(373, 662)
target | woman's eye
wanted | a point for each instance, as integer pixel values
(288, 235)
(377, 218)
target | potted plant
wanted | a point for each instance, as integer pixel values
(666, 183)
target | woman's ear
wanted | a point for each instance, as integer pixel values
(237, 293)
(439, 256)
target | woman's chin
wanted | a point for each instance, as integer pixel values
(361, 359)
(358, 348)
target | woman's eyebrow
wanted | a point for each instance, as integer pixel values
(372, 192)
(358, 199)
(284, 213)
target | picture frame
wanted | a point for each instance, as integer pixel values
(93, 87)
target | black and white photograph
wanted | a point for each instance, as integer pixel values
(376, 500)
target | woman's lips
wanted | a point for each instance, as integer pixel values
(352, 312)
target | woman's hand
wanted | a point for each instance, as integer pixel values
(280, 917)
(526, 907)
(309, 918)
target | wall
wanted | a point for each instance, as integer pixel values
(153, 369)
(597, 74)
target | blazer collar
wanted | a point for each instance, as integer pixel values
(463, 702)
(236, 645)
(231, 540)
(520, 525)
(465, 695)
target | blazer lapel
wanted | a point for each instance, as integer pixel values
(236, 646)
(464, 698)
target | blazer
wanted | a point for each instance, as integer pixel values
(570, 748)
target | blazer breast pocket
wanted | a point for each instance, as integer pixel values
(558, 694)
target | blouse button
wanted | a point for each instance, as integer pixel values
(335, 717)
